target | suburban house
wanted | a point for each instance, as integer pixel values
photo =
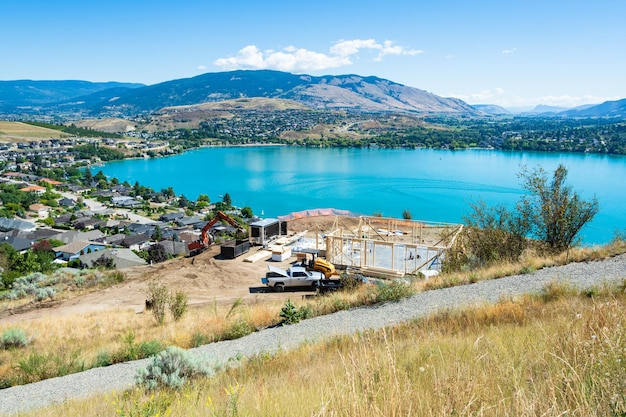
(125, 201)
(114, 240)
(75, 249)
(75, 236)
(175, 248)
(40, 210)
(120, 258)
(51, 182)
(136, 242)
(172, 217)
(15, 224)
(20, 244)
(86, 223)
(34, 188)
(67, 202)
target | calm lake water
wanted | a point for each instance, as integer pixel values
(433, 185)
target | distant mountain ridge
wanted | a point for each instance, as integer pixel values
(350, 92)
(341, 92)
(615, 108)
(30, 93)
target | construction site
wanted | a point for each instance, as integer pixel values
(373, 246)
(385, 248)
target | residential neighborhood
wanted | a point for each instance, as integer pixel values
(112, 226)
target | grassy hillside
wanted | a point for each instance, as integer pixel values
(560, 353)
(23, 132)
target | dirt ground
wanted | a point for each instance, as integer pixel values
(205, 278)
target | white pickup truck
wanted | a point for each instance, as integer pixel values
(294, 276)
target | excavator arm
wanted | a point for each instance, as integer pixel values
(205, 238)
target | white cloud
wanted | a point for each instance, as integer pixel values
(201, 67)
(509, 51)
(295, 59)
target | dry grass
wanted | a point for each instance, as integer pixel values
(23, 132)
(118, 335)
(523, 357)
(528, 263)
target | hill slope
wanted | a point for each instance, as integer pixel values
(607, 109)
(345, 92)
(29, 93)
(351, 92)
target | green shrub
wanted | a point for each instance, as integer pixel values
(103, 358)
(199, 339)
(290, 314)
(239, 328)
(172, 368)
(132, 350)
(34, 367)
(178, 305)
(393, 291)
(149, 348)
(159, 296)
(37, 367)
(14, 337)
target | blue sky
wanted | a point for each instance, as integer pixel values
(515, 54)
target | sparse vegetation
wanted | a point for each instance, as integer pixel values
(172, 368)
(178, 304)
(101, 339)
(546, 221)
(158, 298)
(13, 338)
(291, 314)
(526, 356)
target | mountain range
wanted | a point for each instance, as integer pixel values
(332, 92)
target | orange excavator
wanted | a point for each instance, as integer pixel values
(203, 244)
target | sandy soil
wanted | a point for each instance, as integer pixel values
(205, 278)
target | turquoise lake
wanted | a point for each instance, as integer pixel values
(434, 185)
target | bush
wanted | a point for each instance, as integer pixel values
(291, 314)
(14, 338)
(37, 285)
(239, 328)
(158, 295)
(171, 368)
(178, 305)
(394, 291)
(103, 358)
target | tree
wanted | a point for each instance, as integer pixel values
(157, 253)
(555, 214)
(183, 201)
(100, 177)
(246, 212)
(227, 200)
(87, 176)
(406, 214)
(549, 217)
(202, 201)
(158, 234)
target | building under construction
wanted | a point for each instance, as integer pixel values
(388, 247)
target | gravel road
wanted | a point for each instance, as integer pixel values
(121, 376)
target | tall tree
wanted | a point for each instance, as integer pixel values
(554, 213)
(227, 200)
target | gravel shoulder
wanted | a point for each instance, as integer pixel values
(118, 377)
